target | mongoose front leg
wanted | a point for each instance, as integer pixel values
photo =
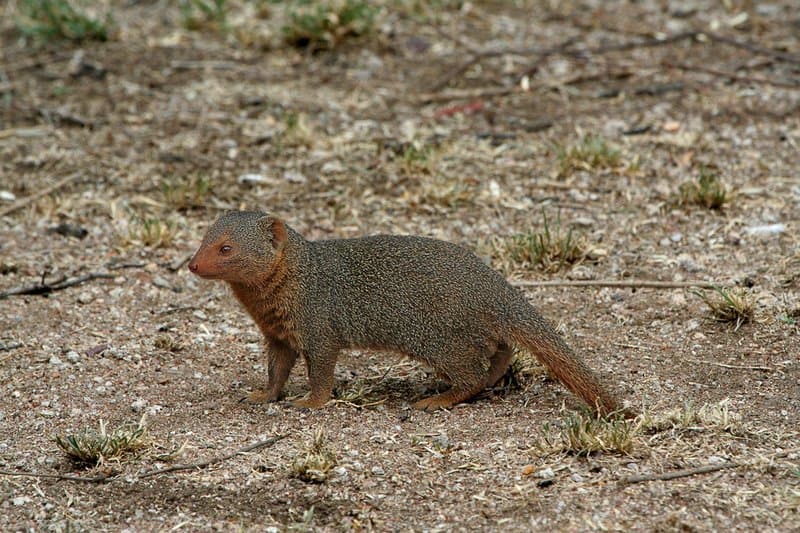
(320, 378)
(281, 362)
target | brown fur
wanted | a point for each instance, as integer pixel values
(428, 299)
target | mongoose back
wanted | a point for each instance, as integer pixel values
(428, 299)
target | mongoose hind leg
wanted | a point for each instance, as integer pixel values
(498, 364)
(466, 372)
(320, 378)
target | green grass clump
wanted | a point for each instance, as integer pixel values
(94, 448)
(153, 232)
(51, 20)
(707, 191)
(728, 305)
(204, 14)
(186, 193)
(324, 24)
(590, 153)
(549, 250)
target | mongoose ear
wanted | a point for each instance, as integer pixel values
(276, 229)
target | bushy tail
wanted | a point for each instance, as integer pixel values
(548, 346)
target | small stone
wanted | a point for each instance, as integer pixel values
(676, 237)
(293, 176)
(577, 478)
(7, 196)
(254, 179)
(340, 471)
(161, 283)
(20, 500)
(138, 405)
(199, 314)
(546, 473)
(767, 230)
(377, 470)
(56, 361)
(332, 167)
(85, 298)
(716, 460)
(73, 356)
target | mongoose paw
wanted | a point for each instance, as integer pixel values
(309, 403)
(259, 396)
(433, 402)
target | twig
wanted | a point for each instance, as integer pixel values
(149, 473)
(760, 50)
(6, 346)
(686, 472)
(734, 367)
(60, 477)
(61, 283)
(207, 462)
(633, 284)
(38, 194)
(732, 76)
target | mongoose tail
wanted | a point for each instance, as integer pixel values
(540, 338)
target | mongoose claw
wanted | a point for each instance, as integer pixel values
(309, 403)
(259, 396)
(433, 403)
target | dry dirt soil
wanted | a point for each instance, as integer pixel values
(452, 120)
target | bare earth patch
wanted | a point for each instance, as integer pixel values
(664, 139)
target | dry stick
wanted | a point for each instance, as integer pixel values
(733, 367)
(632, 284)
(149, 473)
(61, 283)
(44, 192)
(207, 462)
(754, 48)
(732, 76)
(686, 472)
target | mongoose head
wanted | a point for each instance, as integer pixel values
(240, 247)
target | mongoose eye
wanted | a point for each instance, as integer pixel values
(225, 249)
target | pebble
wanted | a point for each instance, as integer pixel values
(253, 179)
(7, 196)
(767, 230)
(20, 500)
(138, 405)
(332, 167)
(378, 471)
(293, 176)
(577, 478)
(56, 361)
(73, 356)
(546, 473)
(161, 283)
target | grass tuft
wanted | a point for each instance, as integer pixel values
(53, 20)
(586, 434)
(549, 250)
(198, 15)
(185, 194)
(707, 191)
(315, 463)
(94, 448)
(728, 305)
(716, 415)
(590, 153)
(324, 24)
(154, 232)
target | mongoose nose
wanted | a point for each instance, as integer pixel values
(193, 266)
